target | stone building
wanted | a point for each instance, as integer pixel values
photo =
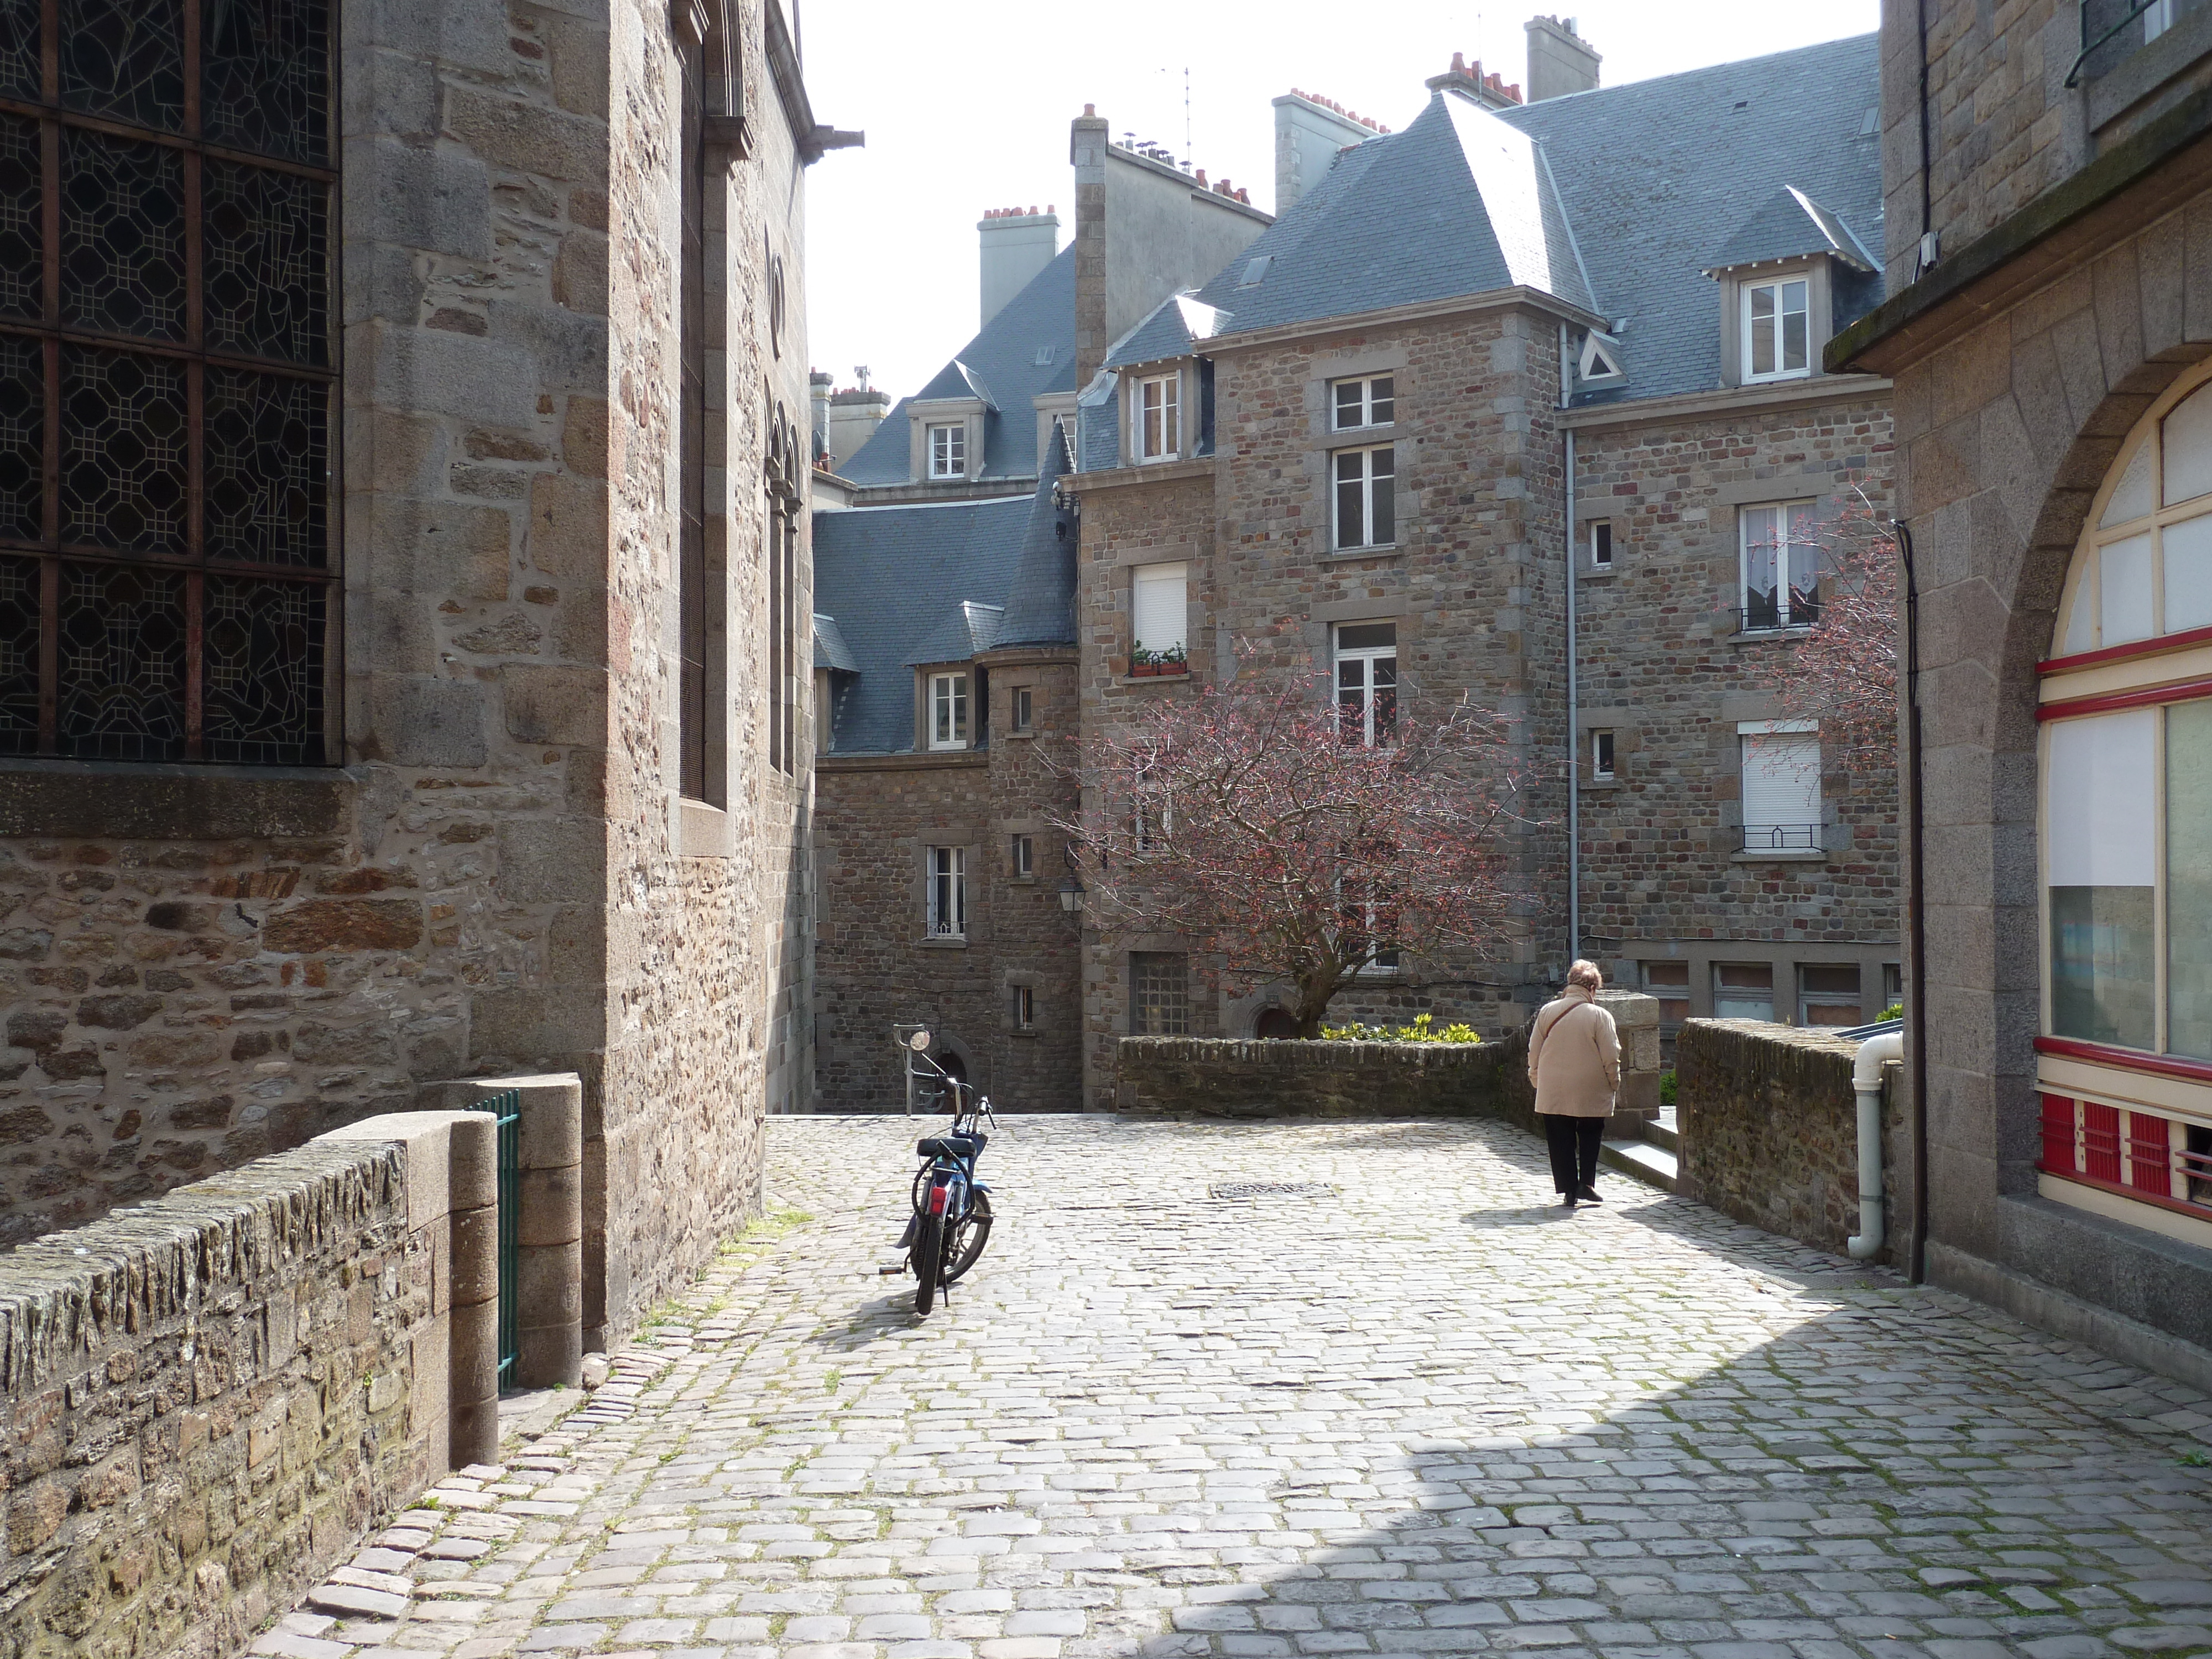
(1574, 458)
(2049, 180)
(400, 593)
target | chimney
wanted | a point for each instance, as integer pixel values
(817, 394)
(1492, 91)
(854, 417)
(1560, 60)
(1309, 129)
(1018, 243)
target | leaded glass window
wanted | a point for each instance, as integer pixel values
(166, 379)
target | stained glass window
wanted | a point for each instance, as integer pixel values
(166, 382)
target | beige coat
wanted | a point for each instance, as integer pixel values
(1574, 1056)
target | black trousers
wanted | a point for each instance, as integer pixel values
(1574, 1143)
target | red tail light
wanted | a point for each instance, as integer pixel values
(938, 1196)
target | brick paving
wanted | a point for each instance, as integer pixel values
(1430, 1415)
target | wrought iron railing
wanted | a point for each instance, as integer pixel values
(2103, 23)
(1781, 837)
(507, 1117)
(1771, 613)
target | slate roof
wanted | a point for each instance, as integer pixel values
(1000, 366)
(1614, 206)
(1459, 203)
(1790, 225)
(935, 582)
(1174, 325)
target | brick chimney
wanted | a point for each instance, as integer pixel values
(818, 386)
(1491, 90)
(1560, 60)
(854, 415)
(1017, 243)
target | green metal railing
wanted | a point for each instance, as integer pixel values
(2094, 36)
(507, 1114)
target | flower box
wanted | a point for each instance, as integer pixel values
(1156, 669)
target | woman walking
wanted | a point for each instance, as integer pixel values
(1574, 1060)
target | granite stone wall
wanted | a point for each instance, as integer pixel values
(207, 1399)
(1768, 1126)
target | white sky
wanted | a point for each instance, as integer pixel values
(966, 105)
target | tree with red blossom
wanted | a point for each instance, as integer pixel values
(1844, 673)
(1262, 826)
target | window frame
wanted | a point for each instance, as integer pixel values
(1370, 686)
(955, 461)
(1024, 1009)
(1603, 754)
(1171, 657)
(1366, 402)
(944, 888)
(1170, 411)
(1370, 485)
(1020, 709)
(1777, 286)
(1141, 961)
(1747, 732)
(1601, 544)
(1789, 615)
(1021, 856)
(958, 679)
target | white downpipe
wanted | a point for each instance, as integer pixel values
(1574, 733)
(1866, 1080)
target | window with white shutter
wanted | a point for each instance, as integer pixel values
(1781, 785)
(1159, 609)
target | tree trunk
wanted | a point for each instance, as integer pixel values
(1315, 993)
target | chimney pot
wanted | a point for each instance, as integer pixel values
(1459, 63)
(1091, 112)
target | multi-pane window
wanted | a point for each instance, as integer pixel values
(1367, 681)
(1365, 497)
(167, 573)
(1159, 994)
(1777, 330)
(1369, 401)
(1601, 543)
(1743, 990)
(1159, 417)
(1828, 994)
(948, 892)
(1022, 857)
(1025, 1008)
(1601, 754)
(1781, 566)
(948, 451)
(1781, 785)
(1024, 701)
(948, 711)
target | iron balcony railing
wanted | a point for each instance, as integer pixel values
(1781, 837)
(1769, 613)
(2104, 23)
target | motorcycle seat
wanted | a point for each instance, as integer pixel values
(964, 1146)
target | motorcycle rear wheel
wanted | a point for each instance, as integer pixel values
(928, 1260)
(968, 1238)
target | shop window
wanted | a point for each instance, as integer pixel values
(1743, 990)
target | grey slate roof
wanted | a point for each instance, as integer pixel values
(1040, 605)
(1176, 325)
(969, 629)
(1614, 208)
(1000, 366)
(830, 650)
(1790, 225)
(1459, 203)
(892, 577)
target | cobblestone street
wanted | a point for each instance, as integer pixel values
(1429, 1414)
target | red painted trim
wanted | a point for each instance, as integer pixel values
(2127, 1060)
(2186, 640)
(2179, 1207)
(2149, 697)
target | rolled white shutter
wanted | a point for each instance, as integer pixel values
(1160, 619)
(1781, 782)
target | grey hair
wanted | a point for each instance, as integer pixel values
(1585, 974)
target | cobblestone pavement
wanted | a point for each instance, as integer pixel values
(1429, 1415)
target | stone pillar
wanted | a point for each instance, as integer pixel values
(550, 1273)
(1635, 1017)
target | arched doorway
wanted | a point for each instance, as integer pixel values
(1274, 1023)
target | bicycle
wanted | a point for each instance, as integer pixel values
(951, 1220)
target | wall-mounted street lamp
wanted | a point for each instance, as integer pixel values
(1071, 895)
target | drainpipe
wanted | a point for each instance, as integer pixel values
(1574, 734)
(1916, 960)
(1866, 1081)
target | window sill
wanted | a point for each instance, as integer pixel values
(942, 941)
(1601, 783)
(703, 829)
(1021, 734)
(1152, 679)
(1765, 635)
(1028, 1031)
(948, 749)
(1782, 855)
(1594, 573)
(1021, 881)
(1777, 379)
(1388, 552)
(173, 800)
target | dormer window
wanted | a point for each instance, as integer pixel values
(948, 711)
(1159, 417)
(1369, 401)
(1599, 362)
(948, 451)
(1778, 329)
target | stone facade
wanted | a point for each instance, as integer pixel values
(208, 1401)
(202, 965)
(2023, 360)
(1768, 1127)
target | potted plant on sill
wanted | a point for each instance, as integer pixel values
(1145, 664)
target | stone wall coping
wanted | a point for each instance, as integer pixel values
(1789, 1037)
(435, 1142)
(62, 1294)
(1730, 400)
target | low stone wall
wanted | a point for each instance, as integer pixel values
(1769, 1129)
(205, 1400)
(1218, 1077)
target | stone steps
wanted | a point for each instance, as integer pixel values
(1650, 1163)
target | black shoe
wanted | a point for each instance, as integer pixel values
(1590, 1195)
(1566, 1200)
